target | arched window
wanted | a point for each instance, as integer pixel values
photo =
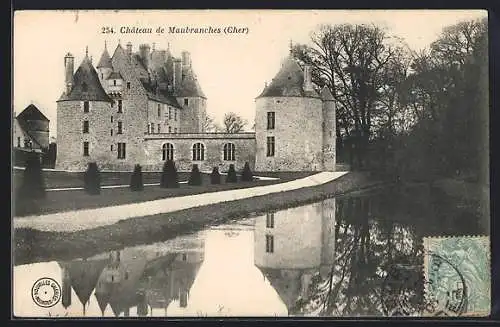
(167, 151)
(229, 150)
(198, 152)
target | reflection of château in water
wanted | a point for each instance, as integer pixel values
(132, 278)
(293, 245)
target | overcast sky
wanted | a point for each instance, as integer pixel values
(231, 68)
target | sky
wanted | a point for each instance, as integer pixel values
(232, 69)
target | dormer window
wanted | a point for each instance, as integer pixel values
(86, 106)
(114, 82)
(128, 85)
(186, 101)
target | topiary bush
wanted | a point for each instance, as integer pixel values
(136, 183)
(33, 184)
(231, 175)
(246, 174)
(195, 176)
(215, 176)
(169, 177)
(92, 179)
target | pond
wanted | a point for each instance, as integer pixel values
(355, 255)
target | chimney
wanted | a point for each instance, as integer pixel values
(308, 86)
(186, 59)
(129, 49)
(145, 55)
(69, 64)
(177, 74)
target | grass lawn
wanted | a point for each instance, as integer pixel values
(60, 201)
(33, 245)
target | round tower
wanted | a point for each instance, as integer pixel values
(104, 66)
(288, 120)
(329, 130)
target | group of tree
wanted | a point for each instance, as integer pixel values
(401, 111)
(231, 123)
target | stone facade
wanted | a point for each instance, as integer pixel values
(298, 140)
(144, 100)
(213, 144)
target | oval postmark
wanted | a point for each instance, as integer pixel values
(46, 292)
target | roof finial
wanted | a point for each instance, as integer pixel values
(119, 42)
(86, 51)
(168, 45)
(291, 45)
(154, 46)
(105, 45)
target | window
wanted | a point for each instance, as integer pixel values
(270, 220)
(86, 106)
(169, 113)
(120, 128)
(111, 118)
(184, 257)
(175, 130)
(111, 147)
(270, 146)
(18, 142)
(270, 120)
(159, 128)
(170, 129)
(167, 151)
(85, 126)
(120, 108)
(27, 143)
(198, 152)
(186, 101)
(229, 150)
(111, 132)
(86, 149)
(152, 128)
(175, 114)
(114, 82)
(159, 110)
(183, 299)
(269, 243)
(121, 150)
(128, 85)
(102, 76)
(126, 275)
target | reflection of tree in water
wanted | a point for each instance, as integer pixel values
(379, 255)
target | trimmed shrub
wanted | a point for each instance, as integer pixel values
(215, 176)
(246, 175)
(136, 179)
(231, 175)
(33, 184)
(195, 177)
(169, 177)
(92, 179)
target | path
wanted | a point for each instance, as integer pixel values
(92, 218)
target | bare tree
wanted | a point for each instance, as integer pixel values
(233, 123)
(210, 125)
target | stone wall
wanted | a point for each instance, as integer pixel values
(70, 117)
(193, 114)
(329, 136)
(298, 134)
(169, 119)
(213, 143)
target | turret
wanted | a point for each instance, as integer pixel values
(177, 74)
(144, 53)
(329, 130)
(104, 66)
(69, 66)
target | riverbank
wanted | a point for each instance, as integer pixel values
(33, 245)
(63, 200)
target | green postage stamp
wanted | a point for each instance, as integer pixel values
(457, 276)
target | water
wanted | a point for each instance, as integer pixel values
(358, 255)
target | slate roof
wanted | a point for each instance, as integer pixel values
(189, 85)
(86, 85)
(288, 81)
(115, 75)
(31, 113)
(105, 61)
